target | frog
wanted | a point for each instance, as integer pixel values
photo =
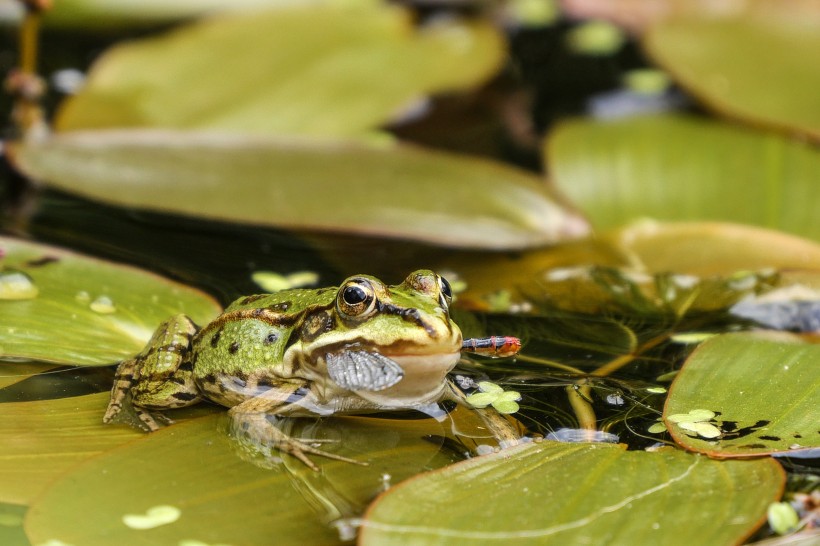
(361, 347)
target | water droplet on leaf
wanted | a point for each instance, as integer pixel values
(103, 305)
(16, 285)
(82, 296)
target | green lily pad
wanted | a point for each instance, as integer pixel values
(558, 493)
(676, 167)
(105, 15)
(14, 372)
(763, 388)
(49, 438)
(223, 497)
(399, 191)
(87, 311)
(721, 60)
(712, 248)
(312, 69)
(11, 525)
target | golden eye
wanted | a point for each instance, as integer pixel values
(356, 298)
(446, 293)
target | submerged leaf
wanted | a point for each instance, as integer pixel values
(400, 191)
(558, 493)
(763, 388)
(676, 167)
(329, 68)
(87, 311)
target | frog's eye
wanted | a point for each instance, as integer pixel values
(356, 298)
(446, 292)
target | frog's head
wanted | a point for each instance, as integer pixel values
(408, 329)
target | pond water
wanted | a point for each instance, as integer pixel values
(609, 369)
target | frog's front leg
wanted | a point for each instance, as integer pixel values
(251, 418)
(160, 377)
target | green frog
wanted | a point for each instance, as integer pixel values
(361, 347)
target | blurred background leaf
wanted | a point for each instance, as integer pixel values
(398, 191)
(677, 167)
(326, 69)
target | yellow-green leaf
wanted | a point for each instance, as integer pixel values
(676, 167)
(221, 495)
(761, 68)
(763, 388)
(112, 15)
(558, 493)
(400, 191)
(87, 311)
(50, 437)
(330, 68)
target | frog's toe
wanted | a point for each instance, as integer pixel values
(299, 449)
(150, 421)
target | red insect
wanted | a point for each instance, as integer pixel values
(494, 346)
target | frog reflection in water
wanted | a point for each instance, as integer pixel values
(359, 348)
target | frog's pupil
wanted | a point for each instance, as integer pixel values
(445, 288)
(354, 295)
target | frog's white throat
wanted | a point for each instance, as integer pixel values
(424, 379)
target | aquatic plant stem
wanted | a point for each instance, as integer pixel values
(550, 364)
(579, 395)
(616, 364)
(23, 83)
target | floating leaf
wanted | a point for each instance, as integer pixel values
(676, 167)
(490, 387)
(11, 525)
(329, 68)
(14, 372)
(595, 38)
(656, 428)
(106, 15)
(764, 388)
(50, 437)
(270, 281)
(225, 499)
(481, 399)
(396, 192)
(704, 430)
(88, 311)
(550, 493)
(693, 416)
(721, 59)
(782, 517)
(712, 248)
(495, 395)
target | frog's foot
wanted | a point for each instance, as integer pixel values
(152, 421)
(123, 379)
(256, 428)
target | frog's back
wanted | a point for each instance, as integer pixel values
(286, 302)
(241, 352)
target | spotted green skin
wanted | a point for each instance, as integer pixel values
(278, 343)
